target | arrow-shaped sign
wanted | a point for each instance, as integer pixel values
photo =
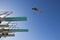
(15, 19)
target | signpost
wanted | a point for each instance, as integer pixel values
(15, 19)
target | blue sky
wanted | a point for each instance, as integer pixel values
(42, 26)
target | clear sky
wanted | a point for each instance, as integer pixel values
(42, 26)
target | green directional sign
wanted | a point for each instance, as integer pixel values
(13, 30)
(18, 30)
(15, 19)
